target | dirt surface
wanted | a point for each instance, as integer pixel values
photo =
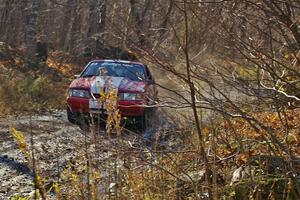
(57, 143)
(52, 135)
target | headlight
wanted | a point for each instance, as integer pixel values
(79, 93)
(130, 96)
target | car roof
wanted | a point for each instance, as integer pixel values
(118, 61)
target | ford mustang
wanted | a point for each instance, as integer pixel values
(132, 81)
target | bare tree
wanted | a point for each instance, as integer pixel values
(31, 29)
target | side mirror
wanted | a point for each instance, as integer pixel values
(77, 76)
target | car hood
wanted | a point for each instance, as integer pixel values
(82, 82)
(96, 83)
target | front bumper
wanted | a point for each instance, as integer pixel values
(131, 108)
(78, 105)
(127, 108)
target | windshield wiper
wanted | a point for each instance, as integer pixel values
(88, 75)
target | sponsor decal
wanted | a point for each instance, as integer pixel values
(135, 86)
(82, 82)
(105, 84)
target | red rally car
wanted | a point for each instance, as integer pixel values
(132, 80)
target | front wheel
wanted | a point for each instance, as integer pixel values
(147, 120)
(72, 117)
(79, 119)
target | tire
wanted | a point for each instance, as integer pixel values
(79, 119)
(72, 117)
(148, 119)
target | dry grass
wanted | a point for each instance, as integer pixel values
(114, 168)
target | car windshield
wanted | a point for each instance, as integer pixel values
(133, 72)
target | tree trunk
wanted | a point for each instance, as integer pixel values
(68, 14)
(31, 26)
(4, 17)
(139, 19)
(72, 28)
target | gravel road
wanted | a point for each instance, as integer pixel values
(52, 135)
(56, 143)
